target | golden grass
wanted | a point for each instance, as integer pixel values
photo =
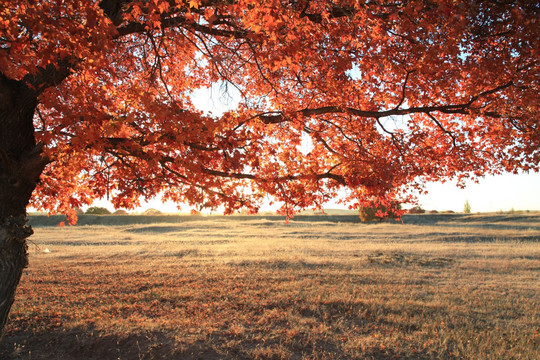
(262, 289)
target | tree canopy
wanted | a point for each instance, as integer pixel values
(375, 97)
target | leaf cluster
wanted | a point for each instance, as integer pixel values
(372, 97)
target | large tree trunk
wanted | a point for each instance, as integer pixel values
(13, 259)
(21, 164)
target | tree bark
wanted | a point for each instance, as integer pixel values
(13, 259)
(21, 164)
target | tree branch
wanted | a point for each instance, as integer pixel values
(446, 109)
(449, 133)
(328, 175)
(177, 21)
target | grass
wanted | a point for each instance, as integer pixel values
(227, 288)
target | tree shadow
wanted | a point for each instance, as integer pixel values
(86, 343)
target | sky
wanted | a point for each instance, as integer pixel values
(493, 193)
(504, 192)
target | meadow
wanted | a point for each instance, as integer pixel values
(433, 287)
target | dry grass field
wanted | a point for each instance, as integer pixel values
(436, 287)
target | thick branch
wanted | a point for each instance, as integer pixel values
(328, 175)
(464, 109)
(447, 109)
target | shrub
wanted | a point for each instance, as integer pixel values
(433, 212)
(120, 212)
(152, 212)
(97, 210)
(374, 211)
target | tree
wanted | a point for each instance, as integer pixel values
(97, 210)
(467, 207)
(96, 99)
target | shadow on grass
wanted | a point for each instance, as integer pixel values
(159, 229)
(290, 265)
(86, 343)
(488, 239)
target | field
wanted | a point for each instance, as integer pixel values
(435, 287)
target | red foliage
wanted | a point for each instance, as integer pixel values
(388, 95)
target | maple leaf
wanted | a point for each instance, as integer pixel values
(163, 7)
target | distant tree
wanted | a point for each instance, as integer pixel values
(97, 210)
(416, 210)
(467, 207)
(96, 99)
(152, 212)
(78, 211)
